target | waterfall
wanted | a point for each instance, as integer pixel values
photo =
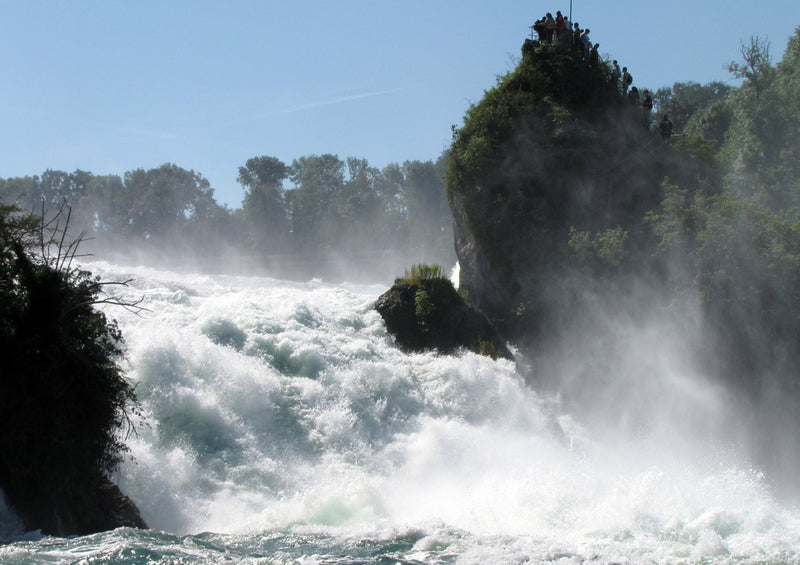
(274, 411)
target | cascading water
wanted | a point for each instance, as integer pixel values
(280, 425)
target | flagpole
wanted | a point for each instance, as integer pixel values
(570, 11)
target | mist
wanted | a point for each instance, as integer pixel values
(644, 369)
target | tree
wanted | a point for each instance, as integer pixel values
(756, 65)
(159, 201)
(763, 144)
(354, 214)
(102, 210)
(317, 179)
(21, 191)
(264, 207)
(710, 123)
(391, 195)
(684, 99)
(63, 397)
(52, 190)
(787, 86)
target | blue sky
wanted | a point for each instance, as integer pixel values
(110, 86)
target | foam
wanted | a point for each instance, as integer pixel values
(272, 405)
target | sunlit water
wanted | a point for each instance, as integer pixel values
(280, 425)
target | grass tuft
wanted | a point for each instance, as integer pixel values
(423, 272)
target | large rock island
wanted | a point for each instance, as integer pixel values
(554, 154)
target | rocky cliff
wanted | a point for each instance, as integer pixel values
(553, 150)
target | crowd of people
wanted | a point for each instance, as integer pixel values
(559, 30)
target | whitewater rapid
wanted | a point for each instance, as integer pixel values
(279, 424)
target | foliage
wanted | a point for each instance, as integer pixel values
(756, 65)
(425, 307)
(606, 247)
(701, 115)
(423, 272)
(63, 397)
(264, 210)
(763, 143)
(744, 259)
(427, 279)
(552, 149)
(429, 221)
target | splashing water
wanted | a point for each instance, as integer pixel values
(280, 425)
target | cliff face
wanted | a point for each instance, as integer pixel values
(552, 149)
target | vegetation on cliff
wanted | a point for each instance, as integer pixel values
(553, 150)
(64, 399)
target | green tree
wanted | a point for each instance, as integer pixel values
(756, 121)
(102, 209)
(159, 201)
(355, 210)
(264, 207)
(317, 179)
(21, 191)
(63, 397)
(50, 191)
(684, 99)
(391, 194)
(710, 124)
(744, 259)
(787, 146)
(755, 67)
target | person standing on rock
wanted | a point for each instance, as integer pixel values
(615, 74)
(594, 56)
(627, 80)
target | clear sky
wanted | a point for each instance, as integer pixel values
(110, 86)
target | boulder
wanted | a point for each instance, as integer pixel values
(431, 315)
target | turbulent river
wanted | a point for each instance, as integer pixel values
(279, 425)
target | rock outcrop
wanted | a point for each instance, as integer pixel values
(431, 315)
(102, 507)
(554, 149)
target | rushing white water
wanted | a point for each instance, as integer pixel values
(279, 419)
